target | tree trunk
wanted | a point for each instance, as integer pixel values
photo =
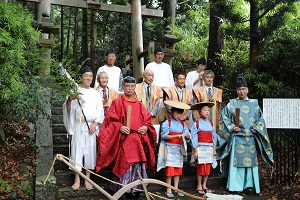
(170, 10)
(84, 42)
(216, 43)
(69, 32)
(93, 43)
(75, 46)
(61, 33)
(254, 37)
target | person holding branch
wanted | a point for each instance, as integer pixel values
(241, 132)
(127, 139)
(82, 114)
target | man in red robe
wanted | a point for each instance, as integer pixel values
(129, 146)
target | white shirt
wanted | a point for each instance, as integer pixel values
(163, 75)
(190, 78)
(113, 77)
(100, 89)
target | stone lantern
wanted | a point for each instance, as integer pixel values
(45, 42)
(167, 41)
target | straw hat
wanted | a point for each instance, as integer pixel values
(201, 104)
(177, 104)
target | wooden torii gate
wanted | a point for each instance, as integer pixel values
(136, 10)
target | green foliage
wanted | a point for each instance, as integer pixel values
(18, 63)
(192, 27)
(4, 186)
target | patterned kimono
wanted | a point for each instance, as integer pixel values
(203, 137)
(241, 146)
(170, 153)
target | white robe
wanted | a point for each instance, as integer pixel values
(190, 78)
(163, 75)
(113, 77)
(83, 143)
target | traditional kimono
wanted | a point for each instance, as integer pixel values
(131, 152)
(163, 75)
(170, 155)
(203, 137)
(202, 96)
(151, 104)
(83, 143)
(115, 76)
(241, 147)
(172, 93)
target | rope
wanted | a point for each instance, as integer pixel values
(72, 161)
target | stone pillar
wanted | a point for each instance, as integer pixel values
(137, 37)
(167, 41)
(44, 143)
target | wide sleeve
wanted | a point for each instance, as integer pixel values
(189, 82)
(194, 135)
(165, 129)
(171, 79)
(100, 110)
(262, 138)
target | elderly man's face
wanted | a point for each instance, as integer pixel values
(208, 79)
(129, 89)
(159, 56)
(148, 77)
(180, 80)
(103, 80)
(110, 59)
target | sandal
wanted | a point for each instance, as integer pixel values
(200, 192)
(207, 190)
(88, 186)
(75, 187)
(179, 194)
(170, 195)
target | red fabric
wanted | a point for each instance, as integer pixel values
(173, 171)
(205, 136)
(175, 140)
(125, 150)
(203, 169)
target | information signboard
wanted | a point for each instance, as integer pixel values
(281, 113)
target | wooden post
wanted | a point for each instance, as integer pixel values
(137, 38)
(128, 115)
(93, 43)
(237, 117)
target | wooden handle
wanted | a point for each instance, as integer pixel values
(237, 117)
(129, 108)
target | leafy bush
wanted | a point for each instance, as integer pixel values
(18, 63)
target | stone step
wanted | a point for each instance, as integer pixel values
(56, 110)
(57, 119)
(58, 128)
(60, 138)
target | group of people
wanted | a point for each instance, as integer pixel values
(119, 124)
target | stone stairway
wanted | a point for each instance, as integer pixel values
(64, 176)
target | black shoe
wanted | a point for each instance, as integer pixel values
(249, 192)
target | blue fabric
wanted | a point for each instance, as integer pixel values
(170, 154)
(240, 178)
(203, 126)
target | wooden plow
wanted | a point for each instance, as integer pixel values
(118, 194)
